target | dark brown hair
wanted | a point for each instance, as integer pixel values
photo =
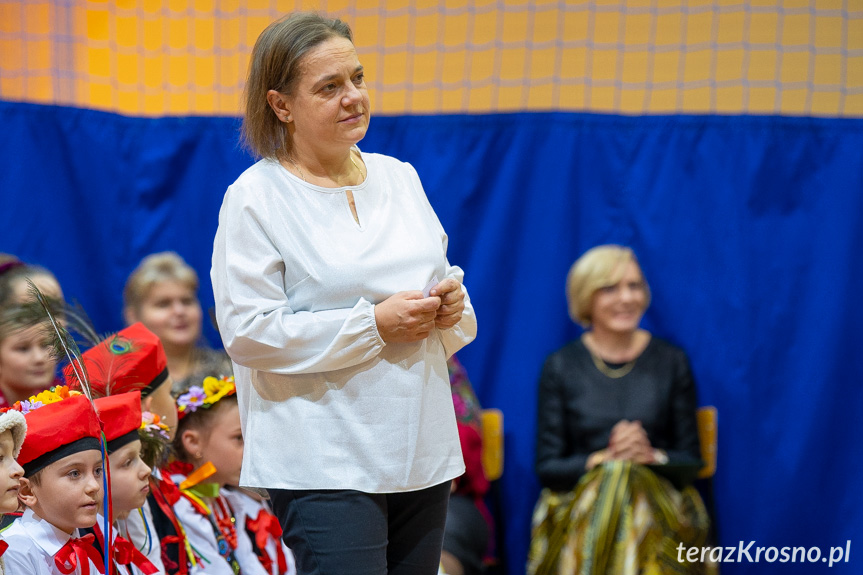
(200, 420)
(275, 65)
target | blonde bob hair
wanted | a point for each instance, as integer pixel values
(598, 267)
(154, 269)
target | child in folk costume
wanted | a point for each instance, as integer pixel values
(209, 451)
(253, 513)
(129, 478)
(134, 359)
(62, 487)
(13, 428)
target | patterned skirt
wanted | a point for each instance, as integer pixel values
(621, 518)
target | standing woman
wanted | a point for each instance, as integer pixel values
(340, 359)
(610, 403)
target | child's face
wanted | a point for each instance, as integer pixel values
(45, 283)
(129, 479)
(69, 493)
(26, 365)
(10, 474)
(224, 445)
(162, 403)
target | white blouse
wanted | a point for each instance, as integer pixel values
(324, 402)
(33, 542)
(245, 506)
(201, 537)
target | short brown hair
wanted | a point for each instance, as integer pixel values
(275, 65)
(597, 268)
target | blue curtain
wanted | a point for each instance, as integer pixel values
(749, 230)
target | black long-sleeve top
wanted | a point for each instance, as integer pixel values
(578, 406)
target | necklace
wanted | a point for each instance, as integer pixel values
(303, 176)
(358, 169)
(612, 372)
(299, 171)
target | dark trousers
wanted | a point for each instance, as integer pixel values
(336, 532)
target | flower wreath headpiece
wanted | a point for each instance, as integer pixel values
(155, 439)
(204, 397)
(47, 397)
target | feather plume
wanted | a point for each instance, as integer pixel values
(78, 324)
(70, 330)
(107, 361)
(76, 329)
(49, 315)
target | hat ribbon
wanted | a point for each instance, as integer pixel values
(78, 551)
(265, 526)
(125, 552)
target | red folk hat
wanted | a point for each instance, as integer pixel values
(121, 418)
(59, 423)
(132, 359)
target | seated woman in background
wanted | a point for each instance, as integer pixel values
(162, 293)
(610, 403)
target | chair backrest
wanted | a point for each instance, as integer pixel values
(708, 420)
(492, 443)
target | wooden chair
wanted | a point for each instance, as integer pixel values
(708, 434)
(492, 443)
(707, 418)
(491, 421)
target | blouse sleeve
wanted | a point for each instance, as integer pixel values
(556, 469)
(259, 328)
(464, 332)
(684, 443)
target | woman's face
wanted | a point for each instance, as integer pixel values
(330, 104)
(619, 307)
(26, 365)
(172, 311)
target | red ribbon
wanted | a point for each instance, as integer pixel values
(125, 553)
(264, 527)
(169, 490)
(77, 552)
(3, 547)
(165, 493)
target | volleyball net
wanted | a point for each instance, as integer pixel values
(189, 57)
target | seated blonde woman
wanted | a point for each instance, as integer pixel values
(162, 293)
(612, 403)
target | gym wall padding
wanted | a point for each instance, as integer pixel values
(749, 230)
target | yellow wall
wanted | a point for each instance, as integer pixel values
(166, 57)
